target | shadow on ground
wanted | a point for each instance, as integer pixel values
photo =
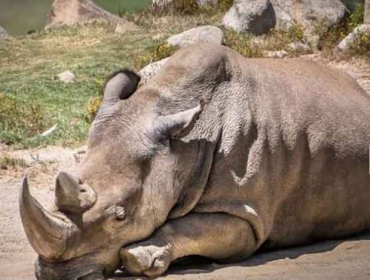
(199, 265)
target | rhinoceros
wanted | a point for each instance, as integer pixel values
(216, 156)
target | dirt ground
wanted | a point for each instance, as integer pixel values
(337, 260)
(331, 260)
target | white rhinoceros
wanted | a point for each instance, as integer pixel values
(216, 156)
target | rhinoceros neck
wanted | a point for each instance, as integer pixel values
(177, 180)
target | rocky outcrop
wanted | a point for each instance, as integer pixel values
(348, 42)
(252, 16)
(258, 16)
(211, 34)
(70, 12)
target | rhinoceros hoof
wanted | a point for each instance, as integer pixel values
(149, 260)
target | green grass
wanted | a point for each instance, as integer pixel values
(29, 65)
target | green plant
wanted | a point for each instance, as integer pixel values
(330, 36)
(241, 43)
(280, 38)
(19, 119)
(92, 108)
(180, 7)
(121, 12)
(224, 5)
(357, 16)
(360, 46)
(7, 162)
(153, 54)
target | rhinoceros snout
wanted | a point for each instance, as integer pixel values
(74, 270)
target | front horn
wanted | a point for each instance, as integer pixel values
(46, 232)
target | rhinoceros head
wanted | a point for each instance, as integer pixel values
(122, 191)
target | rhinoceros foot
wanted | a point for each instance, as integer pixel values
(150, 258)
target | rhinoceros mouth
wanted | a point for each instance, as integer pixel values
(76, 269)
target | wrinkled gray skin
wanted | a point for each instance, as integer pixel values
(276, 157)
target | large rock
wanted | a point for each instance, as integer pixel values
(252, 16)
(69, 12)
(311, 12)
(211, 34)
(348, 42)
(258, 16)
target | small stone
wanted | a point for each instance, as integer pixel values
(49, 131)
(208, 33)
(275, 54)
(299, 47)
(66, 77)
(125, 27)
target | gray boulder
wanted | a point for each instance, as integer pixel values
(252, 16)
(208, 33)
(310, 12)
(259, 16)
(348, 42)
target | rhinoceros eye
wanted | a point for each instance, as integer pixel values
(120, 213)
(116, 211)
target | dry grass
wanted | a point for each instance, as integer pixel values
(11, 163)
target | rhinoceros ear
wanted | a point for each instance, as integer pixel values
(177, 125)
(120, 85)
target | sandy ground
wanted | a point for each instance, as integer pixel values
(337, 260)
(332, 260)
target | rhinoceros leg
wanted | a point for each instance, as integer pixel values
(218, 236)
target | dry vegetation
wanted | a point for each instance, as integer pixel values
(34, 100)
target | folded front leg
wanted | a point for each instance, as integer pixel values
(218, 236)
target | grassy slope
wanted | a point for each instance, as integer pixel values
(29, 65)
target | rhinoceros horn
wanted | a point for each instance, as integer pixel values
(47, 232)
